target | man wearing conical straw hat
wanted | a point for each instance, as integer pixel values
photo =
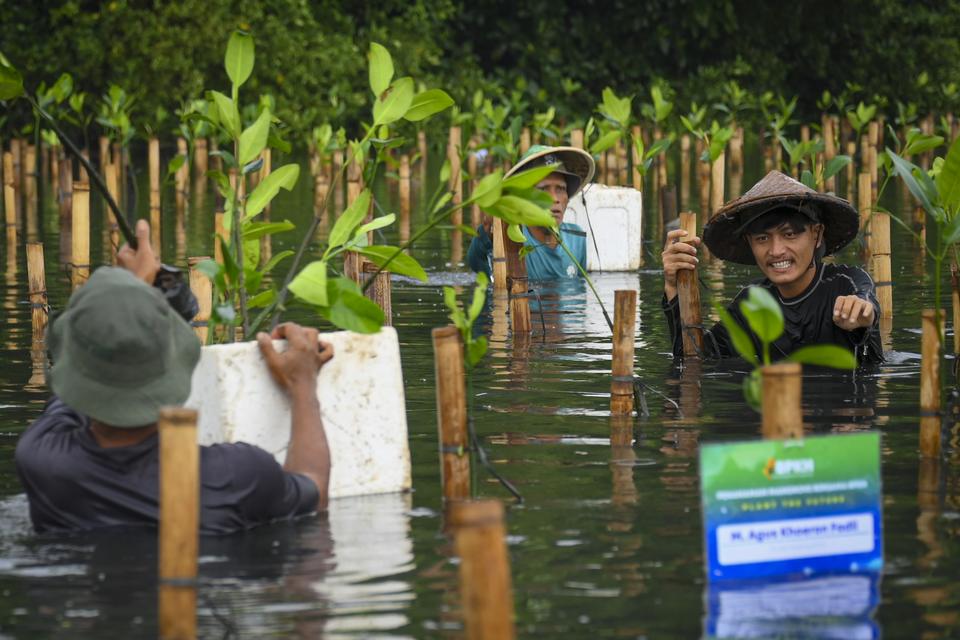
(785, 229)
(547, 260)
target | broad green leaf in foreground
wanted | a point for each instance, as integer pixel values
(740, 339)
(381, 68)
(763, 314)
(349, 309)
(528, 179)
(253, 140)
(349, 219)
(489, 189)
(426, 104)
(310, 285)
(399, 262)
(824, 355)
(396, 103)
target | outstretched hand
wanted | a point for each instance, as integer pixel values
(679, 253)
(852, 312)
(298, 366)
(143, 263)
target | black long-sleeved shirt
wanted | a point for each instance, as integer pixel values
(808, 318)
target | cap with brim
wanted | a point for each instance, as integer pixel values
(120, 352)
(574, 163)
(725, 235)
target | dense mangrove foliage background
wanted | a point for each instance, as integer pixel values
(536, 54)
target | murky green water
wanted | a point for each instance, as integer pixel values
(608, 541)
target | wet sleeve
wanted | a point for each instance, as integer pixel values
(671, 309)
(276, 494)
(866, 342)
(478, 255)
(716, 341)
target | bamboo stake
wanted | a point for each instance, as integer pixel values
(685, 172)
(716, 184)
(782, 414)
(517, 283)
(635, 134)
(472, 170)
(30, 191)
(851, 170)
(688, 290)
(266, 241)
(112, 176)
(499, 256)
(880, 261)
(486, 591)
(624, 323)
(422, 147)
(955, 289)
(451, 413)
(219, 231)
(865, 204)
(202, 290)
(703, 181)
(179, 522)
(9, 193)
(201, 160)
(524, 140)
(380, 291)
(38, 289)
(930, 385)
(80, 236)
(153, 160)
(621, 151)
(405, 198)
(104, 142)
(576, 138)
(65, 176)
(182, 177)
(118, 160)
(829, 150)
(456, 174)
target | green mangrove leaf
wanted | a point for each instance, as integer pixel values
(475, 351)
(253, 140)
(442, 201)
(239, 58)
(528, 179)
(396, 103)
(381, 68)
(470, 231)
(227, 113)
(951, 232)
(395, 261)
(252, 277)
(763, 314)
(276, 259)
(445, 170)
(231, 270)
(349, 219)
(376, 223)
(605, 141)
(489, 189)
(615, 108)
(824, 355)
(310, 285)
(905, 169)
(919, 142)
(276, 142)
(656, 148)
(349, 309)
(175, 163)
(456, 314)
(209, 268)
(741, 341)
(256, 230)
(807, 179)
(263, 299)
(479, 297)
(426, 104)
(515, 233)
(516, 210)
(284, 177)
(948, 181)
(753, 390)
(835, 165)
(251, 255)
(661, 106)
(11, 82)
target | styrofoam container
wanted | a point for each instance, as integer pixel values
(612, 218)
(361, 403)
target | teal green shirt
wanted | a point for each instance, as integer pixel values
(543, 263)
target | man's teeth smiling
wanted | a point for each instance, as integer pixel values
(783, 264)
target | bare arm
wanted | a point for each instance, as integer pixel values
(296, 370)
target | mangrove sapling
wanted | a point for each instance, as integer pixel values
(765, 319)
(861, 117)
(805, 153)
(614, 125)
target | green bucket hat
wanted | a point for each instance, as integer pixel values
(575, 164)
(724, 233)
(120, 352)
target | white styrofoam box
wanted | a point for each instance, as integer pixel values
(612, 219)
(361, 403)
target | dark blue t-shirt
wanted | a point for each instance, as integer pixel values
(73, 483)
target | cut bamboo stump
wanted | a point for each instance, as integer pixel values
(451, 413)
(879, 250)
(576, 138)
(716, 183)
(380, 291)
(179, 522)
(219, 232)
(9, 193)
(486, 590)
(404, 198)
(456, 173)
(782, 413)
(30, 193)
(38, 289)
(202, 290)
(182, 176)
(80, 236)
(684, 171)
(112, 178)
(624, 324)
(499, 256)
(930, 385)
(688, 292)
(865, 204)
(153, 160)
(637, 159)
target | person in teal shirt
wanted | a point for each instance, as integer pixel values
(547, 260)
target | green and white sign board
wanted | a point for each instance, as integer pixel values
(792, 507)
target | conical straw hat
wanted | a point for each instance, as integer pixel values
(724, 235)
(575, 163)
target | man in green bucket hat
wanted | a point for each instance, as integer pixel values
(785, 229)
(120, 352)
(547, 260)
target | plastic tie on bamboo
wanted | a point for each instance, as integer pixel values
(361, 400)
(612, 218)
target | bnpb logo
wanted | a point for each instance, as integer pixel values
(800, 467)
